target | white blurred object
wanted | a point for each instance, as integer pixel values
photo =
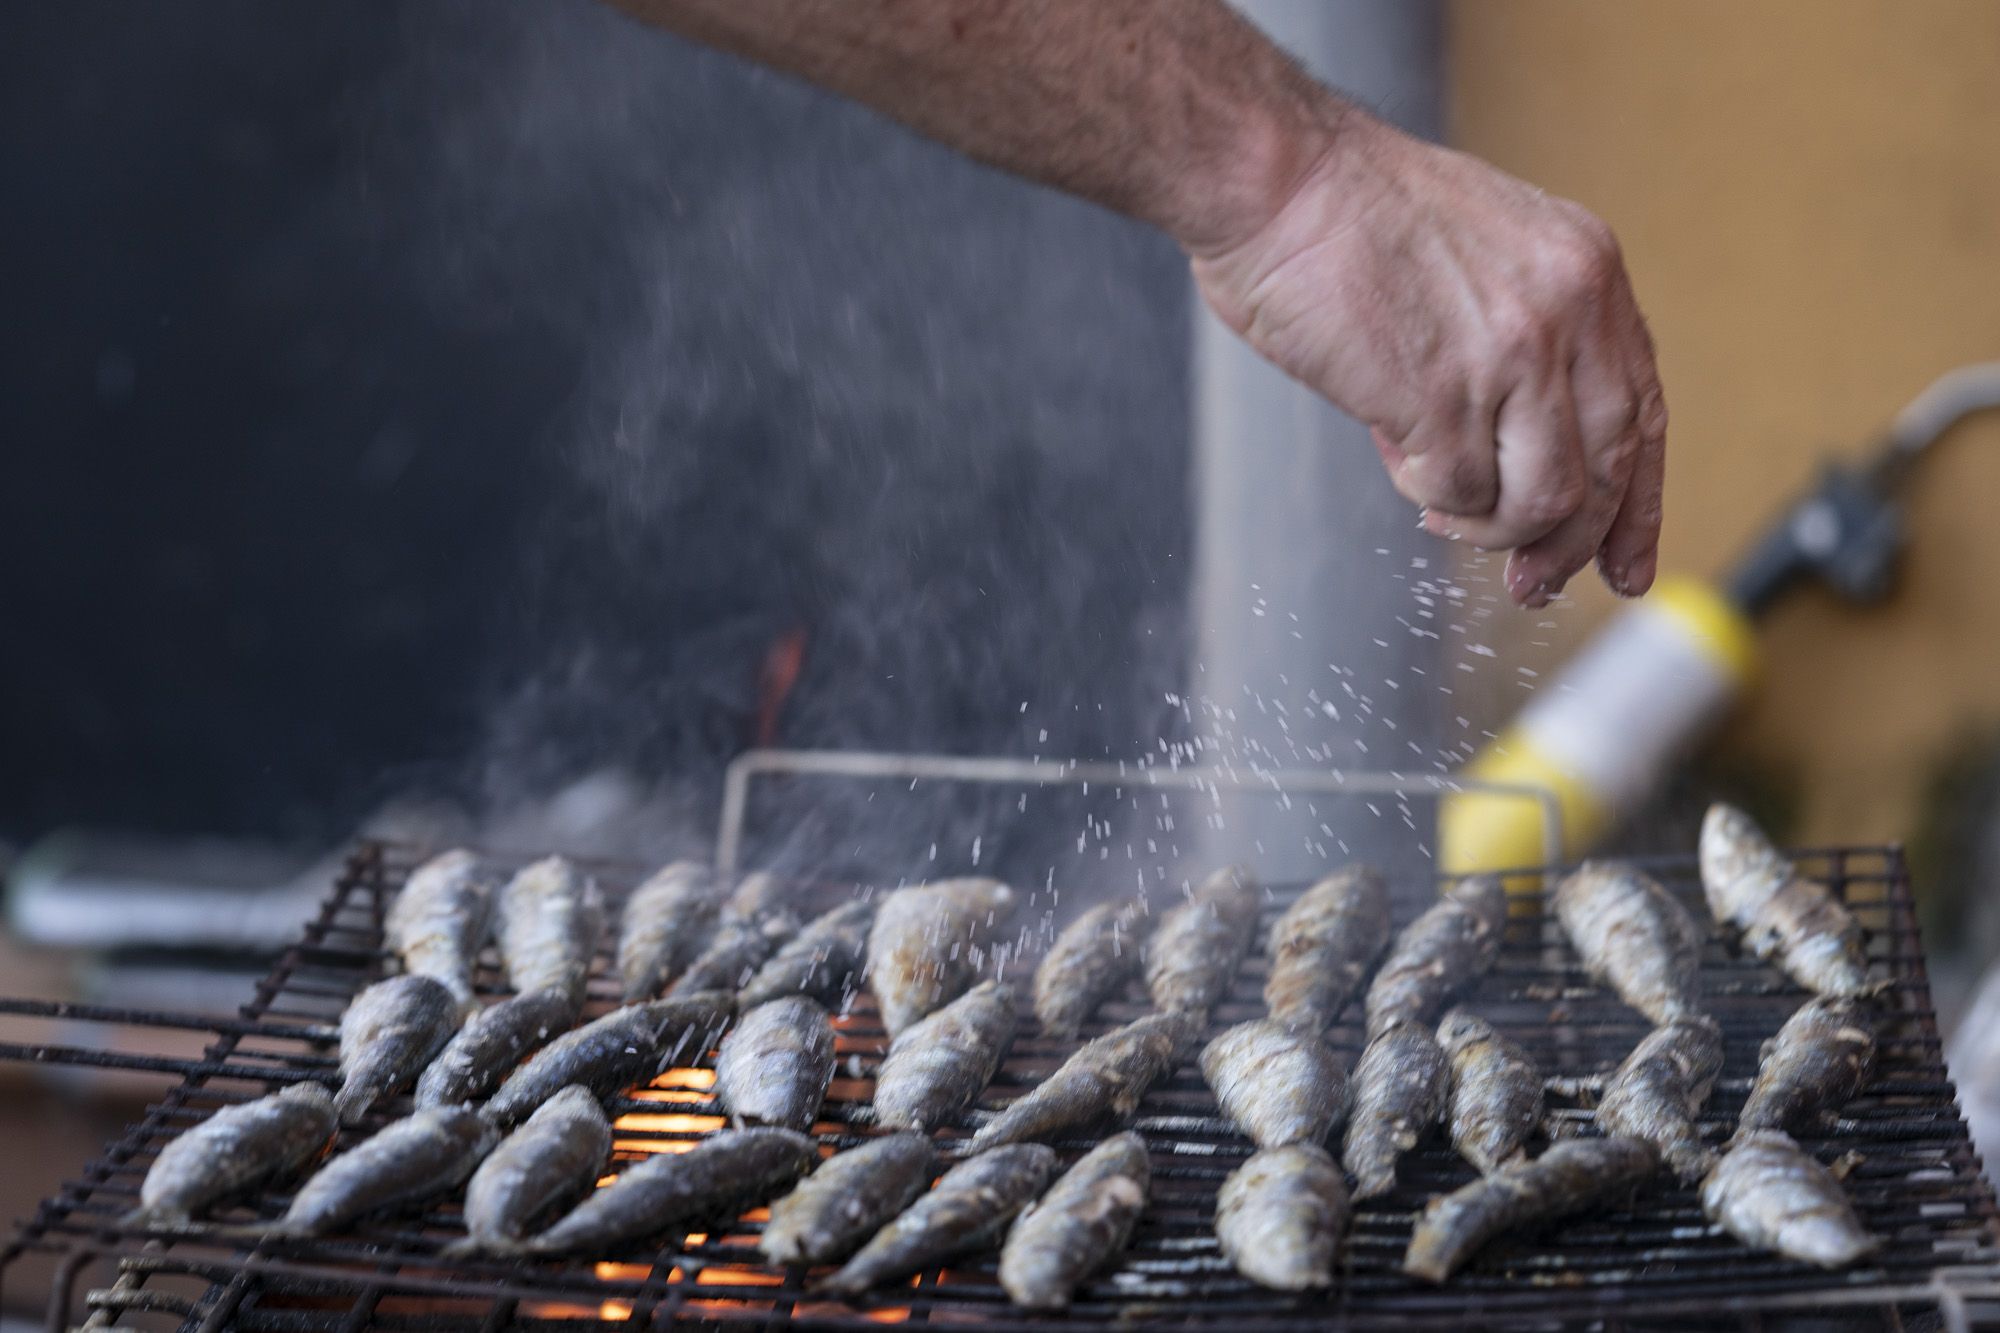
(1974, 1057)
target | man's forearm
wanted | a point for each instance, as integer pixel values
(1177, 112)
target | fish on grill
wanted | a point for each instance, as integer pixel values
(1821, 1057)
(1084, 1219)
(664, 925)
(438, 922)
(1280, 1216)
(823, 962)
(1439, 955)
(1324, 946)
(546, 1165)
(1661, 1087)
(1279, 1083)
(776, 1064)
(1091, 961)
(551, 916)
(938, 1066)
(929, 942)
(1777, 912)
(421, 1157)
(969, 1208)
(494, 1041)
(850, 1197)
(624, 1047)
(1771, 1195)
(1496, 1092)
(1400, 1089)
(1101, 1084)
(389, 1033)
(1633, 936)
(233, 1151)
(719, 1177)
(1525, 1195)
(755, 922)
(1195, 950)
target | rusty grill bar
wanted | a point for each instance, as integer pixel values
(1654, 1265)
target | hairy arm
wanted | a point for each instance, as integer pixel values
(1485, 331)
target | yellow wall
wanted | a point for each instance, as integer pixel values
(1809, 198)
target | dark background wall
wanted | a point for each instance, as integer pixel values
(460, 396)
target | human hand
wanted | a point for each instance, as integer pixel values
(1486, 333)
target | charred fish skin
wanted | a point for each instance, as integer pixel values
(234, 1150)
(776, 1064)
(1771, 1195)
(437, 923)
(492, 1043)
(969, 1207)
(1084, 1219)
(1102, 1083)
(420, 1157)
(1778, 913)
(823, 962)
(937, 1067)
(1496, 1092)
(1280, 1215)
(1661, 1087)
(1633, 936)
(1821, 1057)
(389, 1033)
(1400, 1089)
(1324, 946)
(723, 1174)
(665, 921)
(550, 1162)
(624, 1047)
(928, 943)
(1092, 960)
(1280, 1084)
(1195, 950)
(1570, 1177)
(852, 1195)
(551, 916)
(1439, 955)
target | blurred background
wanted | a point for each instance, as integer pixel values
(446, 420)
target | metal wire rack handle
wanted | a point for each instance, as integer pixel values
(1273, 782)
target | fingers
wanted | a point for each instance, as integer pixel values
(1541, 470)
(1630, 555)
(1447, 463)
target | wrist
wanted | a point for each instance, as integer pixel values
(1258, 164)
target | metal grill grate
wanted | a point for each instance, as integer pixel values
(1656, 1265)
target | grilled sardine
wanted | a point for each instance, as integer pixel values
(551, 916)
(420, 1157)
(929, 942)
(1400, 1089)
(1496, 1092)
(719, 1177)
(1821, 1057)
(1768, 1193)
(624, 1047)
(1777, 912)
(1661, 1087)
(1197, 947)
(1439, 955)
(1084, 1219)
(1633, 936)
(1101, 1084)
(1324, 946)
(235, 1150)
(1279, 1083)
(847, 1199)
(1523, 1195)
(775, 1065)
(938, 1066)
(547, 1164)
(438, 922)
(492, 1042)
(823, 962)
(665, 923)
(755, 922)
(388, 1034)
(969, 1208)
(1280, 1215)
(1091, 961)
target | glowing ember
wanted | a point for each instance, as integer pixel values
(699, 1079)
(623, 1272)
(668, 1124)
(615, 1310)
(716, 1276)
